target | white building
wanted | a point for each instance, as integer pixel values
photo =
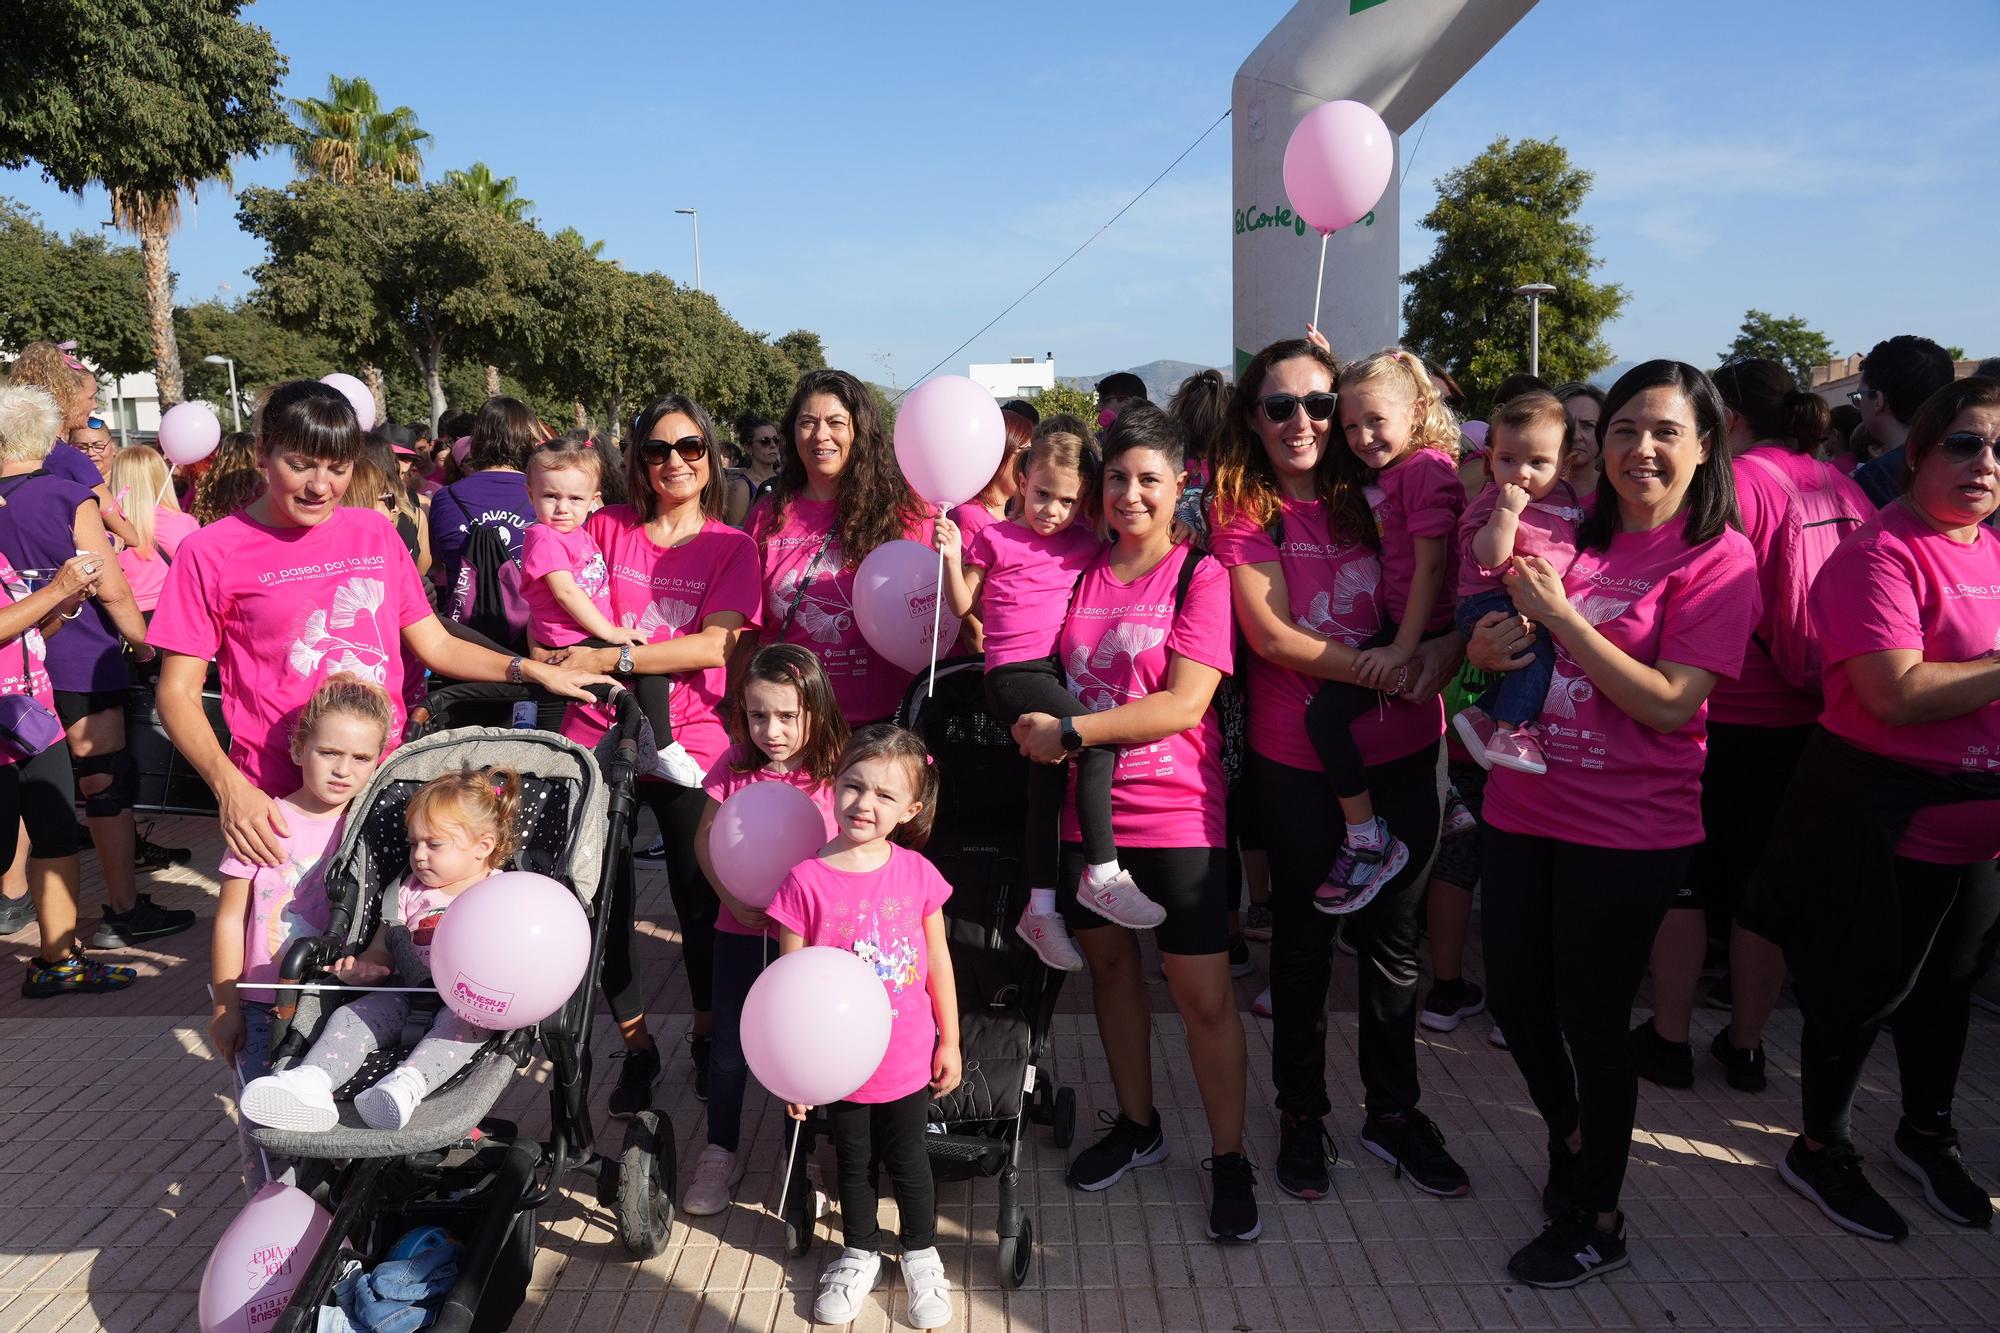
(130, 404)
(1016, 377)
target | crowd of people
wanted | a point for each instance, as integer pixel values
(1641, 665)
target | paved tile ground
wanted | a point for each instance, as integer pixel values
(119, 1170)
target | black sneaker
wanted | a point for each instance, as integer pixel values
(1832, 1179)
(1744, 1069)
(1559, 1193)
(698, 1049)
(1667, 1063)
(146, 921)
(1305, 1152)
(657, 852)
(1410, 1142)
(74, 975)
(15, 914)
(636, 1078)
(1451, 1003)
(1232, 1207)
(1239, 957)
(1934, 1161)
(149, 855)
(1570, 1250)
(1126, 1144)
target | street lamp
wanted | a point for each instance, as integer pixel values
(697, 244)
(235, 411)
(1535, 291)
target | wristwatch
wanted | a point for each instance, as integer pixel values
(513, 671)
(625, 659)
(1071, 741)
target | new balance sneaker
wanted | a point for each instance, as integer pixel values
(716, 1174)
(1474, 730)
(15, 914)
(1257, 923)
(393, 1100)
(1118, 900)
(1125, 1145)
(1570, 1250)
(1657, 1060)
(1559, 1190)
(1519, 749)
(845, 1285)
(699, 1046)
(637, 1074)
(1411, 1142)
(1934, 1161)
(928, 1289)
(677, 766)
(1261, 1006)
(1744, 1069)
(299, 1098)
(74, 975)
(146, 921)
(149, 855)
(1359, 873)
(1239, 957)
(1451, 1003)
(1833, 1181)
(1232, 1204)
(1046, 934)
(1458, 816)
(1305, 1156)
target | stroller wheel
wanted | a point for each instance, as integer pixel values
(1062, 1119)
(1017, 1255)
(645, 1185)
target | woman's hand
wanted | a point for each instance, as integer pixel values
(1537, 590)
(1377, 667)
(359, 970)
(1040, 737)
(1501, 642)
(797, 1110)
(631, 638)
(1432, 668)
(252, 824)
(225, 1031)
(79, 576)
(947, 1069)
(750, 918)
(947, 540)
(568, 681)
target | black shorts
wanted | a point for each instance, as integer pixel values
(72, 706)
(41, 793)
(1742, 786)
(1458, 855)
(1190, 882)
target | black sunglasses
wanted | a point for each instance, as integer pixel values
(692, 449)
(1278, 407)
(1964, 446)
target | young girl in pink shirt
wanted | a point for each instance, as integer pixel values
(870, 891)
(787, 728)
(568, 586)
(1020, 574)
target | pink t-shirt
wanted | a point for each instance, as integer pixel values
(148, 573)
(24, 658)
(1333, 587)
(420, 909)
(867, 688)
(1421, 496)
(879, 915)
(724, 781)
(1612, 780)
(1547, 528)
(1117, 645)
(1029, 578)
(670, 592)
(1899, 584)
(544, 551)
(1760, 697)
(972, 518)
(287, 901)
(280, 610)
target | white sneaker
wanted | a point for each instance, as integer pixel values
(677, 766)
(716, 1173)
(393, 1099)
(844, 1285)
(300, 1098)
(1118, 900)
(928, 1288)
(1049, 937)
(1261, 1006)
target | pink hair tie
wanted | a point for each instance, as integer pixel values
(928, 761)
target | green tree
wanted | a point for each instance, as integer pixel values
(495, 193)
(1790, 341)
(266, 352)
(1504, 219)
(346, 136)
(54, 288)
(147, 98)
(1955, 352)
(1066, 398)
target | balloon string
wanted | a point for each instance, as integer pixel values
(791, 1155)
(1319, 283)
(937, 612)
(328, 985)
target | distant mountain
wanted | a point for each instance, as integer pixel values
(1161, 378)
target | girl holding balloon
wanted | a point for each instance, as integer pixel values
(461, 828)
(869, 891)
(787, 730)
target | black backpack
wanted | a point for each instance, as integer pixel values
(490, 598)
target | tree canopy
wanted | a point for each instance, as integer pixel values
(56, 288)
(347, 136)
(1790, 341)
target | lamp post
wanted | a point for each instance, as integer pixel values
(1535, 291)
(235, 410)
(697, 243)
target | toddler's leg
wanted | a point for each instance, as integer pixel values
(447, 1048)
(355, 1032)
(1330, 718)
(655, 695)
(1519, 696)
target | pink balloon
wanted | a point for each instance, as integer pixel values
(357, 394)
(510, 951)
(256, 1265)
(189, 433)
(949, 437)
(816, 1025)
(1337, 164)
(758, 835)
(895, 595)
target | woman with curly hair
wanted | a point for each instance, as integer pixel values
(839, 495)
(231, 481)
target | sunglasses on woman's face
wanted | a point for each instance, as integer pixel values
(691, 450)
(1278, 407)
(1964, 446)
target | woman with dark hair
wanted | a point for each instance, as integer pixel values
(839, 495)
(1585, 405)
(1289, 519)
(1884, 867)
(493, 494)
(690, 581)
(764, 450)
(1795, 510)
(1581, 863)
(1842, 418)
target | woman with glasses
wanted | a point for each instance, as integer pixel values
(690, 581)
(1883, 865)
(765, 449)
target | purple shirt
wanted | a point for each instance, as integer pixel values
(497, 498)
(72, 464)
(38, 531)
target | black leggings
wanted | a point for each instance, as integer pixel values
(893, 1132)
(41, 793)
(1020, 688)
(654, 693)
(1568, 931)
(1942, 923)
(1330, 719)
(678, 810)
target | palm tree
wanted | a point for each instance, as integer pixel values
(348, 137)
(483, 188)
(151, 216)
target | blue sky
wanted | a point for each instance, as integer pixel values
(894, 175)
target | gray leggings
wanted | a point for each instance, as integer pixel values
(358, 1030)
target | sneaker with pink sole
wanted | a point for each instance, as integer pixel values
(1474, 730)
(1359, 873)
(1518, 749)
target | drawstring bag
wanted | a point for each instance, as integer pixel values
(27, 726)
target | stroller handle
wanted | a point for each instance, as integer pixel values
(626, 721)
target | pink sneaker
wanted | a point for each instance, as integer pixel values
(1475, 732)
(1517, 749)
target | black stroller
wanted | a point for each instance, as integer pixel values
(1006, 997)
(455, 1165)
